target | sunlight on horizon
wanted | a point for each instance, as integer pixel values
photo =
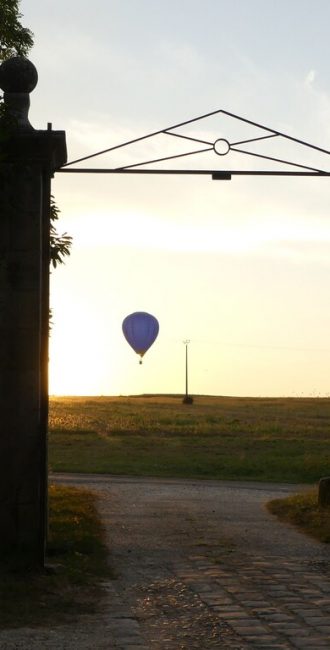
(241, 268)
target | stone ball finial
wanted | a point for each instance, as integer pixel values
(18, 75)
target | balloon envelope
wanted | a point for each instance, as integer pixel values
(140, 330)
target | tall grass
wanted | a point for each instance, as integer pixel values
(76, 548)
(215, 437)
(303, 511)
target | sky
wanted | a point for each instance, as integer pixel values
(239, 268)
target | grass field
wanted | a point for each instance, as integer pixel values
(216, 437)
(303, 511)
(30, 596)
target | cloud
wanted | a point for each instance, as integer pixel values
(297, 242)
(182, 56)
(310, 78)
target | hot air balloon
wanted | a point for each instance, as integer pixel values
(140, 330)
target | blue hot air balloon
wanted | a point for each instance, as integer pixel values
(140, 330)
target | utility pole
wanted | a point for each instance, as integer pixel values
(187, 399)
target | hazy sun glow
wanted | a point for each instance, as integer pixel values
(241, 268)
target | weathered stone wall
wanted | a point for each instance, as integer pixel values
(28, 159)
(20, 352)
(24, 275)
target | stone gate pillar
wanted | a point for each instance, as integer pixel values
(28, 159)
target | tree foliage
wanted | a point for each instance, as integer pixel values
(16, 40)
(59, 244)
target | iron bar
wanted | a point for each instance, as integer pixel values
(187, 137)
(262, 137)
(216, 175)
(83, 170)
(284, 135)
(242, 172)
(167, 131)
(156, 160)
(143, 137)
(284, 162)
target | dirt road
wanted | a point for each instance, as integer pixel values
(200, 565)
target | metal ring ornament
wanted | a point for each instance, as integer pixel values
(221, 142)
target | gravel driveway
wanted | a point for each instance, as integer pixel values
(200, 565)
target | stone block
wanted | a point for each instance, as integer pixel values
(324, 492)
